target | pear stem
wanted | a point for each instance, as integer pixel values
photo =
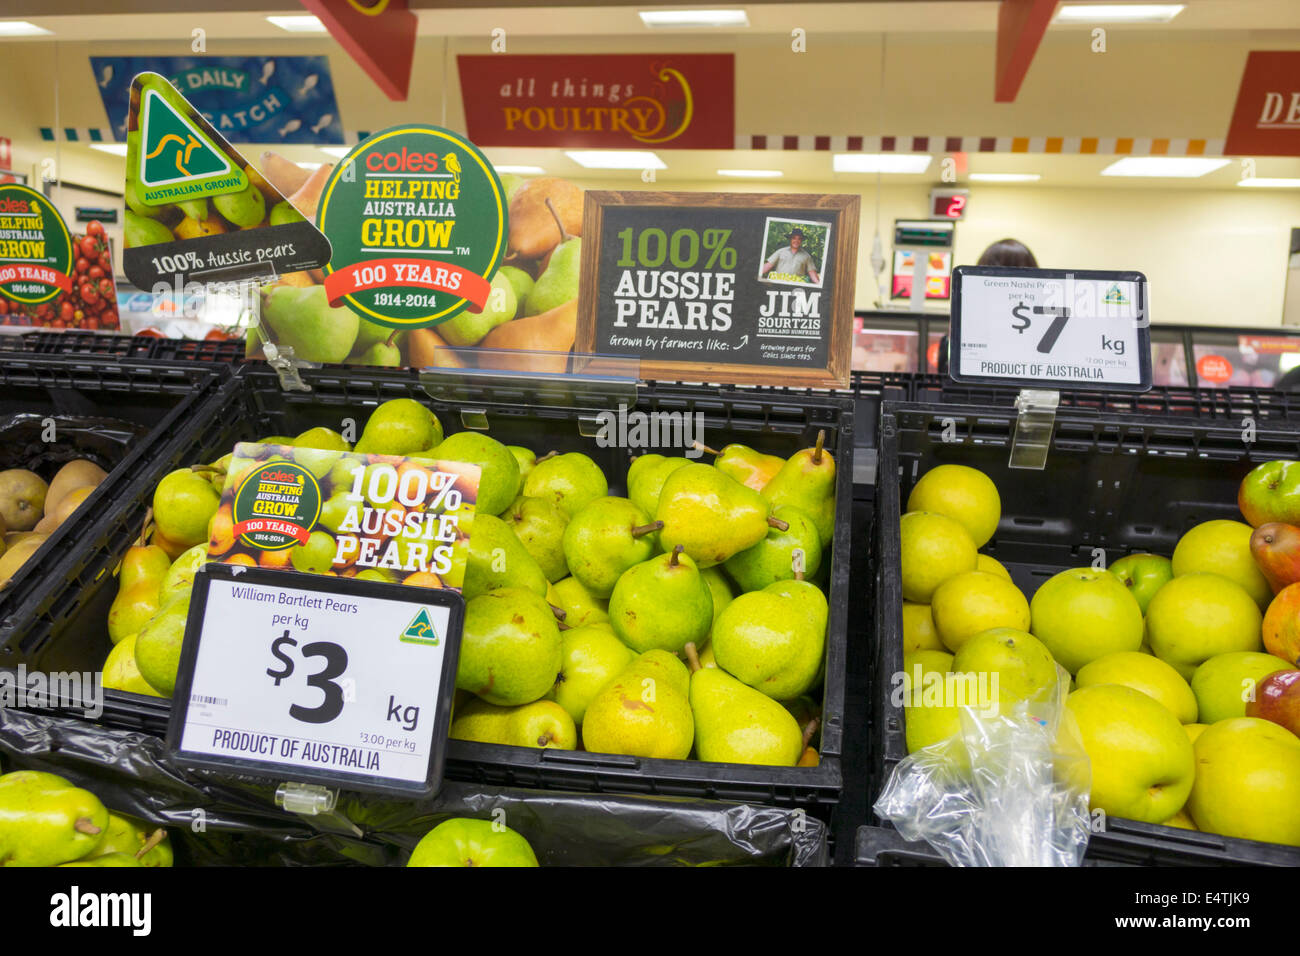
(817, 448)
(546, 457)
(809, 729)
(144, 527)
(777, 523)
(389, 342)
(84, 825)
(154, 839)
(559, 612)
(798, 574)
(208, 469)
(672, 562)
(700, 446)
(564, 233)
(642, 530)
(692, 657)
(543, 740)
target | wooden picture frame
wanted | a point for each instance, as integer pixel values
(838, 280)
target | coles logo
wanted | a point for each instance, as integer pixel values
(15, 206)
(1214, 368)
(402, 161)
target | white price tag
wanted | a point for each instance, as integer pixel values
(1050, 327)
(318, 679)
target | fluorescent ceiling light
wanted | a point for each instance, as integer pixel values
(751, 173)
(1260, 182)
(1004, 177)
(615, 158)
(338, 152)
(117, 149)
(881, 162)
(302, 24)
(520, 170)
(21, 28)
(1119, 12)
(1179, 167)
(694, 18)
(310, 165)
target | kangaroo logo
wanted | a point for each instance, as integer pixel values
(172, 149)
(420, 630)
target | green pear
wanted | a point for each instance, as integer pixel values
(246, 208)
(108, 859)
(519, 280)
(749, 467)
(592, 656)
(303, 319)
(807, 481)
(539, 526)
(570, 481)
(710, 514)
(559, 283)
(736, 724)
(183, 504)
(497, 559)
(127, 836)
(510, 650)
(526, 458)
(180, 576)
(46, 822)
(284, 212)
(139, 590)
(138, 230)
(579, 605)
(605, 538)
(370, 333)
(722, 592)
(319, 450)
(646, 477)
(158, 646)
(643, 712)
(542, 723)
(511, 183)
(499, 471)
(469, 327)
(775, 639)
(381, 354)
(136, 205)
(336, 509)
(661, 603)
(316, 556)
(400, 426)
(773, 558)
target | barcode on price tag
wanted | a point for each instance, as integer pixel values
(317, 679)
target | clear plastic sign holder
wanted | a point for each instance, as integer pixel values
(1035, 422)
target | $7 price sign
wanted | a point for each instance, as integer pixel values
(1020, 321)
(336, 663)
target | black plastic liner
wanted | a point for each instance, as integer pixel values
(104, 441)
(130, 773)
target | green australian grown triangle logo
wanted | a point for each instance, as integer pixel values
(420, 630)
(175, 153)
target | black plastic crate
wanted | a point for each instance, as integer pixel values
(542, 416)
(72, 342)
(159, 396)
(1121, 483)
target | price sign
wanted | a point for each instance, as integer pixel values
(1050, 327)
(317, 679)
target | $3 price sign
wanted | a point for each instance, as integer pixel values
(324, 680)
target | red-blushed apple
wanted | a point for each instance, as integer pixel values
(1276, 549)
(1277, 698)
(1281, 629)
(1143, 575)
(1271, 492)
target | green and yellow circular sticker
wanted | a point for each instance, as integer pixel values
(35, 248)
(417, 219)
(276, 506)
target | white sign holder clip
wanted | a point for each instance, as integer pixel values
(1035, 422)
(313, 800)
(279, 357)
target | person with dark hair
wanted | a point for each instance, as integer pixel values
(792, 259)
(1009, 253)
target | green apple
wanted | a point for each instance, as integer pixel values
(1143, 672)
(1143, 575)
(1225, 682)
(964, 494)
(1196, 616)
(461, 841)
(975, 601)
(1271, 492)
(1248, 781)
(1083, 614)
(1021, 664)
(933, 549)
(1142, 763)
(592, 657)
(1223, 547)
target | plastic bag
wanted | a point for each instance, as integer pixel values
(1010, 789)
(240, 824)
(23, 444)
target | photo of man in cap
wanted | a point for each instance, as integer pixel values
(792, 260)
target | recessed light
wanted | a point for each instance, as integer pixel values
(1180, 167)
(21, 28)
(881, 162)
(302, 24)
(338, 152)
(520, 170)
(117, 149)
(751, 173)
(662, 19)
(1119, 12)
(1004, 177)
(615, 158)
(1260, 182)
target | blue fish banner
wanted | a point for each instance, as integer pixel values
(249, 99)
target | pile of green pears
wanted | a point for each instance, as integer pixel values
(46, 821)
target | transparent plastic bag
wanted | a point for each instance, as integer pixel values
(1011, 789)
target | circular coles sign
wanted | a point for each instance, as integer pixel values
(417, 219)
(35, 248)
(276, 506)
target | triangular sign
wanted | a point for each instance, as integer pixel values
(420, 630)
(174, 150)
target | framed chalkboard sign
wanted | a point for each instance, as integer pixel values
(743, 288)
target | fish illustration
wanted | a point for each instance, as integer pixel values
(289, 127)
(267, 69)
(308, 84)
(323, 122)
(105, 75)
